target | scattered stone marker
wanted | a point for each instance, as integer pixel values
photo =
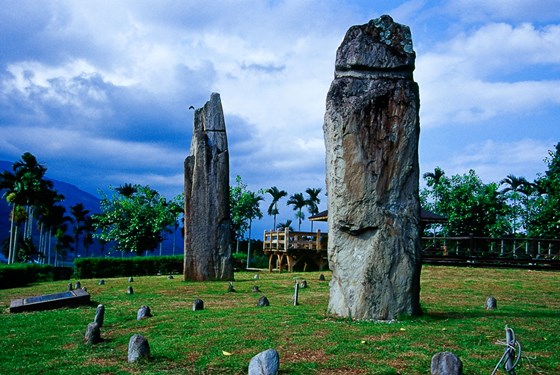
(78, 285)
(322, 277)
(303, 284)
(491, 303)
(255, 289)
(446, 363)
(84, 289)
(198, 304)
(230, 288)
(130, 279)
(93, 334)
(208, 227)
(129, 290)
(371, 136)
(296, 294)
(143, 313)
(101, 282)
(170, 277)
(265, 363)
(70, 287)
(99, 315)
(256, 277)
(138, 347)
(263, 301)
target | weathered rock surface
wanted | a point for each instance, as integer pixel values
(265, 363)
(263, 302)
(138, 347)
(371, 135)
(198, 304)
(93, 334)
(446, 363)
(207, 215)
(99, 315)
(491, 303)
(144, 312)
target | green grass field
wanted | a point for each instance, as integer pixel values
(308, 340)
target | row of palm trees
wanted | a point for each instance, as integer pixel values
(34, 207)
(298, 202)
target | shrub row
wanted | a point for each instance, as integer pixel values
(21, 274)
(87, 268)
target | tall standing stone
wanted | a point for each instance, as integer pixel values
(207, 215)
(371, 135)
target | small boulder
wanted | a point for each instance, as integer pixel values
(303, 284)
(255, 289)
(78, 285)
(138, 347)
(231, 289)
(170, 277)
(130, 279)
(446, 363)
(263, 301)
(101, 282)
(197, 305)
(256, 277)
(491, 303)
(322, 277)
(265, 363)
(143, 313)
(70, 287)
(129, 290)
(93, 334)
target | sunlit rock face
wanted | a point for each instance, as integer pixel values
(371, 134)
(207, 215)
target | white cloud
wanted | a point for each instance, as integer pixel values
(469, 78)
(493, 160)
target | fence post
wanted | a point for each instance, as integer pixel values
(502, 247)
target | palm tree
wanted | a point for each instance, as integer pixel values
(276, 196)
(79, 216)
(127, 190)
(515, 187)
(286, 225)
(253, 212)
(434, 179)
(313, 202)
(298, 202)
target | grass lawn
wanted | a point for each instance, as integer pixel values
(308, 340)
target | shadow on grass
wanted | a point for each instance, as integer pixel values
(445, 315)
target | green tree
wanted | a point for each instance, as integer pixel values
(312, 202)
(546, 220)
(239, 201)
(276, 196)
(433, 180)
(471, 206)
(137, 222)
(298, 202)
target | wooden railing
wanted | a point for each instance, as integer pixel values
(285, 240)
(481, 247)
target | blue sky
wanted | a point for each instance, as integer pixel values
(99, 90)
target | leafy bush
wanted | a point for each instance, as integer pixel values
(87, 268)
(21, 274)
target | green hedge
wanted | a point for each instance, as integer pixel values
(87, 268)
(21, 274)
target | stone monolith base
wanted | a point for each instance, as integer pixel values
(371, 135)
